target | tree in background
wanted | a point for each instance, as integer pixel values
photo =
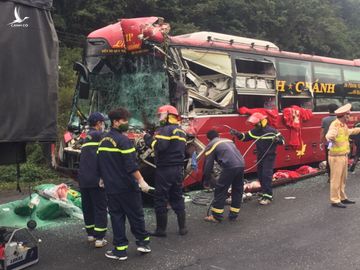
(323, 27)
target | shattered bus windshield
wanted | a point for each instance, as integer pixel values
(138, 83)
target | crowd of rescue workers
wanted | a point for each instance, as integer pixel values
(110, 180)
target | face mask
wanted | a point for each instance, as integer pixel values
(162, 123)
(123, 127)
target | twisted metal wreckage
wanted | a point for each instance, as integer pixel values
(210, 78)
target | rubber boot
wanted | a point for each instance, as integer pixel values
(161, 223)
(181, 217)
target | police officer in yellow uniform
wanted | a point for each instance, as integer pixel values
(339, 148)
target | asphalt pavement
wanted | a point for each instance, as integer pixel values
(299, 230)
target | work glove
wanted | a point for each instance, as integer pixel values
(101, 183)
(233, 131)
(236, 133)
(144, 186)
(279, 139)
(276, 139)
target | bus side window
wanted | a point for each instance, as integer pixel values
(252, 101)
(306, 103)
(322, 103)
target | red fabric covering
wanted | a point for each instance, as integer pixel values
(285, 174)
(303, 170)
(272, 115)
(294, 117)
(306, 170)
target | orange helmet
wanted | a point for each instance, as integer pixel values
(168, 109)
(255, 118)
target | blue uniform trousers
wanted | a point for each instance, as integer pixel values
(265, 172)
(94, 204)
(233, 177)
(168, 188)
(127, 205)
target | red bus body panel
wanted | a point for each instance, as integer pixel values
(130, 34)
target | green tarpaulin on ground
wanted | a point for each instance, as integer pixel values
(46, 212)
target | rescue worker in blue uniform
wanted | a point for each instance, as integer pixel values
(169, 147)
(225, 153)
(267, 138)
(93, 196)
(123, 183)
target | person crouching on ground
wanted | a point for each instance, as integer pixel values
(225, 153)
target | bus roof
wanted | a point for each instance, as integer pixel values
(156, 30)
(226, 38)
(248, 45)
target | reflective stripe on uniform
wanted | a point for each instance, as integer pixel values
(89, 226)
(90, 144)
(263, 137)
(217, 211)
(147, 238)
(121, 247)
(235, 210)
(153, 144)
(267, 196)
(216, 144)
(116, 150)
(170, 138)
(179, 130)
(100, 229)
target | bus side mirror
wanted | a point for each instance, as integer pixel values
(83, 82)
(84, 88)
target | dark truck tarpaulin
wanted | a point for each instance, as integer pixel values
(28, 71)
(28, 74)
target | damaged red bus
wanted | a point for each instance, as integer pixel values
(212, 79)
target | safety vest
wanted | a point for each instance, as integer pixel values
(341, 144)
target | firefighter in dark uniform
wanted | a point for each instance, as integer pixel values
(225, 153)
(267, 140)
(123, 183)
(93, 196)
(169, 147)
